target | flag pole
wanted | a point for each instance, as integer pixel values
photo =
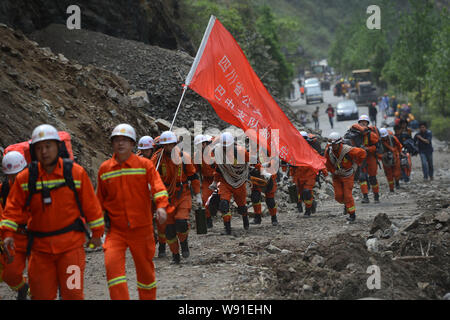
(189, 77)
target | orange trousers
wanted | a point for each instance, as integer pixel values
(370, 170)
(182, 210)
(268, 195)
(343, 188)
(142, 246)
(226, 192)
(48, 272)
(13, 272)
(393, 173)
(305, 184)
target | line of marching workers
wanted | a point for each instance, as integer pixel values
(49, 206)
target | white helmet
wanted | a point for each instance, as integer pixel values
(304, 134)
(198, 139)
(167, 137)
(125, 130)
(335, 138)
(13, 162)
(44, 132)
(226, 139)
(146, 142)
(383, 132)
(364, 118)
(207, 138)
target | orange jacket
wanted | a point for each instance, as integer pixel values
(123, 191)
(173, 175)
(302, 173)
(206, 170)
(60, 213)
(356, 155)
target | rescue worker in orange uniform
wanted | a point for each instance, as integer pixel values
(269, 190)
(55, 240)
(342, 161)
(305, 179)
(368, 171)
(13, 163)
(391, 158)
(177, 170)
(125, 197)
(146, 147)
(206, 171)
(230, 178)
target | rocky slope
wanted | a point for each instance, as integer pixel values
(149, 21)
(40, 87)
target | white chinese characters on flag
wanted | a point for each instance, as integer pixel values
(222, 75)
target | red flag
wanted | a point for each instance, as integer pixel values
(222, 75)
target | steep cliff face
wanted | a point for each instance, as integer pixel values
(148, 21)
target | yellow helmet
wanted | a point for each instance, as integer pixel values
(409, 104)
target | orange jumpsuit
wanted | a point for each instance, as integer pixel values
(56, 260)
(305, 179)
(395, 171)
(226, 191)
(175, 178)
(343, 186)
(13, 272)
(370, 166)
(124, 194)
(207, 175)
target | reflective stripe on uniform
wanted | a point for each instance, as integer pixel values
(50, 184)
(170, 241)
(160, 194)
(116, 281)
(146, 286)
(123, 172)
(226, 214)
(351, 209)
(9, 224)
(363, 183)
(96, 223)
(308, 202)
(20, 285)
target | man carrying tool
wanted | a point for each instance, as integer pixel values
(47, 188)
(391, 158)
(126, 200)
(342, 161)
(370, 166)
(13, 163)
(177, 171)
(230, 178)
(206, 171)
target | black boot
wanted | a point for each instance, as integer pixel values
(245, 222)
(22, 293)
(162, 250)
(176, 258)
(345, 210)
(365, 198)
(274, 220)
(307, 212)
(257, 219)
(184, 249)
(314, 206)
(397, 184)
(351, 218)
(376, 197)
(299, 207)
(209, 223)
(227, 226)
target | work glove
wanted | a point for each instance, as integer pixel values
(198, 200)
(213, 186)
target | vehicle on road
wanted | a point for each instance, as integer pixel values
(364, 92)
(312, 82)
(313, 93)
(347, 110)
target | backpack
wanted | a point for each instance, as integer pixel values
(379, 144)
(24, 147)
